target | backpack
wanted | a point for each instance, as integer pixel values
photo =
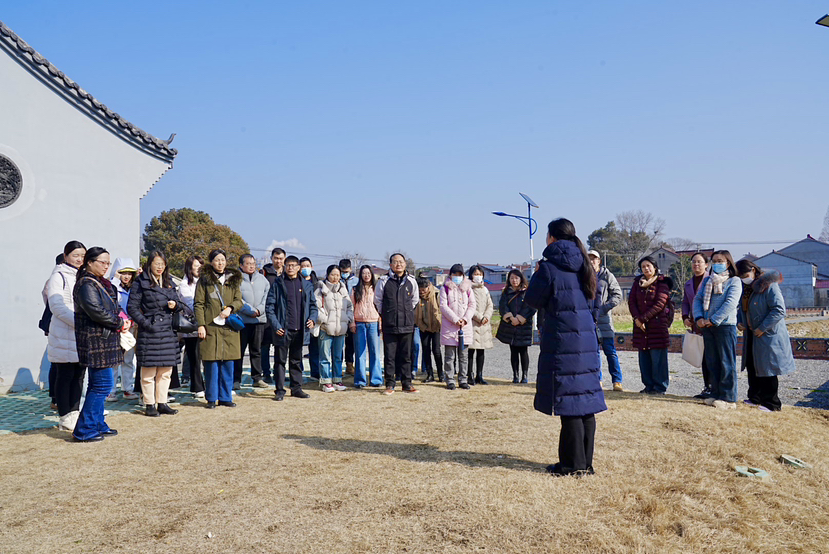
(669, 312)
(46, 318)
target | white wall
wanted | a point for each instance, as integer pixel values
(80, 182)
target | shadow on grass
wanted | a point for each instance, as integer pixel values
(630, 395)
(818, 398)
(418, 452)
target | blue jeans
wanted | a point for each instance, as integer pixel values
(415, 350)
(612, 360)
(721, 360)
(367, 335)
(314, 357)
(218, 380)
(91, 422)
(653, 365)
(331, 358)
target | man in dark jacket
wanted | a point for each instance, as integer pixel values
(608, 296)
(292, 313)
(395, 297)
(271, 271)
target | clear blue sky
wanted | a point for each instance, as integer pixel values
(376, 125)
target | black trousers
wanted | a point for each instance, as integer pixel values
(430, 347)
(191, 351)
(289, 348)
(761, 390)
(575, 444)
(397, 354)
(519, 353)
(52, 376)
(250, 338)
(349, 347)
(68, 387)
(479, 366)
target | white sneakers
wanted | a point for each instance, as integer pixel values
(328, 387)
(723, 405)
(339, 386)
(199, 394)
(709, 401)
(67, 422)
(112, 398)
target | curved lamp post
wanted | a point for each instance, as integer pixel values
(528, 220)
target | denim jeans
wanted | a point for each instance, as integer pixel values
(415, 350)
(91, 419)
(612, 359)
(653, 365)
(331, 358)
(367, 336)
(314, 357)
(721, 360)
(218, 380)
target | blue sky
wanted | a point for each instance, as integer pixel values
(376, 126)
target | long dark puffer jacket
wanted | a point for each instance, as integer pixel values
(157, 343)
(568, 367)
(97, 323)
(649, 305)
(513, 302)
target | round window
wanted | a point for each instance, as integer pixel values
(11, 182)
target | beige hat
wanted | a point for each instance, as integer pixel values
(594, 254)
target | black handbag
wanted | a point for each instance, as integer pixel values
(185, 322)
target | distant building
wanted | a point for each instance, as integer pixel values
(665, 258)
(70, 169)
(799, 278)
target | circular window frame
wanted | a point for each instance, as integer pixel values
(19, 189)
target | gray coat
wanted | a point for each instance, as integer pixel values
(762, 308)
(255, 289)
(610, 295)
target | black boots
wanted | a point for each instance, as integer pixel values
(430, 377)
(514, 375)
(479, 379)
(524, 376)
(150, 410)
(166, 410)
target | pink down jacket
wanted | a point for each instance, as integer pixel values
(456, 302)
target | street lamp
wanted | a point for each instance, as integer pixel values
(823, 21)
(528, 220)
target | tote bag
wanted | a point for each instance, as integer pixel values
(692, 349)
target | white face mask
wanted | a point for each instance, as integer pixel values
(477, 279)
(747, 280)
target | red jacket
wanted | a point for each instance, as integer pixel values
(649, 306)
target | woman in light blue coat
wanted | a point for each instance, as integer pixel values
(767, 350)
(715, 313)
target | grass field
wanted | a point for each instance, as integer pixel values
(441, 471)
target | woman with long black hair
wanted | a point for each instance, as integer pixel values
(366, 330)
(97, 331)
(568, 383)
(516, 327)
(187, 291)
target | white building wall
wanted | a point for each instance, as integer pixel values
(80, 182)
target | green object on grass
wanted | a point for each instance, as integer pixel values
(794, 462)
(753, 472)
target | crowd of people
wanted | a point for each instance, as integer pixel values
(108, 319)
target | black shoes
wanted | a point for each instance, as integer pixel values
(97, 438)
(279, 396)
(558, 471)
(450, 385)
(151, 411)
(210, 405)
(111, 432)
(471, 382)
(430, 378)
(514, 376)
(480, 379)
(300, 394)
(227, 404)
(166, 410)
(464, 386)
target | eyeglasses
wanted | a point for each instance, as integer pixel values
(107, 264)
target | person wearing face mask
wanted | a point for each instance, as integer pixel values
(306, 270)
(608, 296)
(767, 349)
(62, 350)
(457, 307)
(516, 327)
(335, 314)
(350, 280)
(481, 325)
(699, 268)
(152, 303)
(218, 294)
(715, 312)
(649, 303)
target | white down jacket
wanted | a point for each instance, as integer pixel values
(483, 310)
(336, 311)
(62, 349)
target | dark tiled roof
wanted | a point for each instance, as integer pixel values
(48, 72)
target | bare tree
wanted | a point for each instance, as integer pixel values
(358, 259)
(640, 221)
(680, 243)
(824, 234)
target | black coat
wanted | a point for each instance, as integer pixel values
(157, 343)
(568, 368)
(515, 335)
(97, 323)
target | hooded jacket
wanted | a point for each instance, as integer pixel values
(482, 332)
(123, 294)
(335, 312)
(650, 306)
(608, 296)
(254, 289)
(157, 342)
(568, 367)
(456, 302)
(762, 308)
(427, 312)
(59, 291)
(221, 343)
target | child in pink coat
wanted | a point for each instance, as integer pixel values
(457, 306)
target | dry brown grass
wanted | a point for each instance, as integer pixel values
(436, 472)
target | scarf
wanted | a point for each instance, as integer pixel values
(713, 286)
(156, 280)
(645, 283)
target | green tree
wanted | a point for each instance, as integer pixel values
(185, 232)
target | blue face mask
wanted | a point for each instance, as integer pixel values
(457, 280)
(346, 275)
(305, 271)
(719, 267)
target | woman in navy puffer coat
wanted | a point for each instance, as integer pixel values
(568, 382)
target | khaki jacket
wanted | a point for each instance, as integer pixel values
(427, 312)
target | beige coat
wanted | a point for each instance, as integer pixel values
(483, 309)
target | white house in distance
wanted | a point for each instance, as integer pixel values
(70, 169)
